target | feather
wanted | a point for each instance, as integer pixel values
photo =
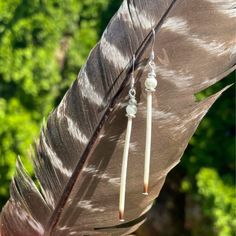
(79, 154)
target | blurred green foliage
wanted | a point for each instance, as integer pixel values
(209, 164)
(43, 44)
(220, 201)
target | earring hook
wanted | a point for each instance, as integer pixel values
(153, 44)
(132, 75)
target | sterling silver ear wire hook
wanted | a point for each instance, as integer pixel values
(150, 85)
(131, 111)
(153, 43)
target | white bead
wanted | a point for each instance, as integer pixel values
(131, 110)
(151, 83)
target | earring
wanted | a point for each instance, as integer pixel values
(150, 85)
(131, 111)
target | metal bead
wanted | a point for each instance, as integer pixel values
(132, 101)
(152, 74)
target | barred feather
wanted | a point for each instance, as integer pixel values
(79, 153)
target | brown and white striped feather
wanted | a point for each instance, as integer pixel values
(79, 154)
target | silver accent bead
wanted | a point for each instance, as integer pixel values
(132, 101)
(152, 74)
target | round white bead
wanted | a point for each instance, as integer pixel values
(151, 83)
(131, 110)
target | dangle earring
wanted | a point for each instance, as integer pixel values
(150, 85)
(131, 111)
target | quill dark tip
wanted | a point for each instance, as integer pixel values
(121, 216)
(145, 189)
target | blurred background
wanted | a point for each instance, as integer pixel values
(43, 45)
